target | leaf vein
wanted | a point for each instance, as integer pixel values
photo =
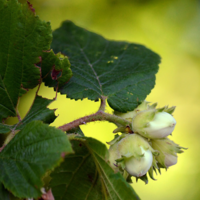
(86, 58)
(95, 179)
(106, 177)
(84, 159)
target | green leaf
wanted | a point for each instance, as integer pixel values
(4, 128)
(124, 72)
(143, 178)
(27, 157)
(39, 111)
(55, 69)
(23, 38)
(86, 175)
(4, 194)
(76, 130)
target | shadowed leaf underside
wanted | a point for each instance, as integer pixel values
(86, 175)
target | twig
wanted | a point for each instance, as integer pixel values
(98, 116)
(18, 116)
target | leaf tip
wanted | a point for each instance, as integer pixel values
(63, 154)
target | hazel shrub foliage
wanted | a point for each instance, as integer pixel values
(38, 161)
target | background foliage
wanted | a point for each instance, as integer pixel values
(170, 28)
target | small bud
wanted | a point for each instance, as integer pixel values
(168, 151)
(153, 124)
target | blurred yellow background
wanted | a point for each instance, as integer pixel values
(172, 29)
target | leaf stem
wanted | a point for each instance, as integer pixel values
(1, 148)
(98, 116)
(103, 103)
(18, 116)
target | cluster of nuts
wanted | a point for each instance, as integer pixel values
(147, 149)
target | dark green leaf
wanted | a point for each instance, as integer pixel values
(4, 128)
(143, 178)
(4, 194)
(39, 111)
(122, 71)
(28, 156)
(23, 38)
(55, 69)
(86, 175)
(76, 130)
